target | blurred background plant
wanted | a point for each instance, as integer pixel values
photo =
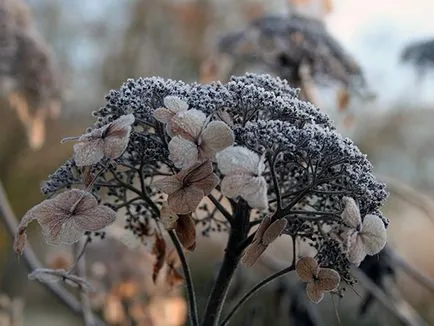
(176, 39)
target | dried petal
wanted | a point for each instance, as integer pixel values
(186, 232)
(307, 269)
(328, 279)
(274, 231)
(357, 251)
(216, 137)
(233, 185)
(314, 293)
(238, 159)
(185, 200)
(88, 153)
(168, 217)
(159, 250)
(183, 153)
(163, 115)
(255, 193)
(265, 223)
(351, 213)
(252, 253)
(188, 124)
(374, 235)
(169, 185)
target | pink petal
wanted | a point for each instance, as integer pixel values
(216, 137)
(183, 152)
(185, 201)
(188, 124)
(88, 153)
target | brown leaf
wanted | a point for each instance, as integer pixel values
(159, 250)
(186, 231)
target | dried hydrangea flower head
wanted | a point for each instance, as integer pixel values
(319, 280)
(28, 79)
(243, 170)
(65, 218)
(187, 188)
(367, 238)
(109, 141)
(196, 138)
(286, 162)
(267, 232)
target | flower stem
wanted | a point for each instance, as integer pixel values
(253, 290)
(232, 257)
(188, 280)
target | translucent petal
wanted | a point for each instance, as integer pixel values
(196, 173)
(357, 251)
(175, 104)
(188, 124)
(208, 184)
(255, 193)
(96, 218)
(328, 279)
(62, 232)
(121, 126)
(163, 115)
(185, 201)
(236, 160)
(252, 253)
(183, 152)
(374, 235)
(216, 137)
(314, 293)
(307, 268)
(114, 146)
(351, 213)
(168, 184)
(88, 153)
(274, 231)
(233, 185)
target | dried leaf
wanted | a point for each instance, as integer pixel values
(159, 250)
(186, 231)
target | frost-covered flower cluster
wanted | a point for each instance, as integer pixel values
(230, 156)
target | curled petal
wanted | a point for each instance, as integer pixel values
(183, 152)
(169, 185)
(216, 137)
(175, 104)
(307, 269)
(314, 293)
(89, 153)
(252, 253)
(188, 124)
(238, 159)
(186, 232)
(357, 251)
(328, 279)
(351, 213)
(274, 231)
(185, 200)
(374, 235)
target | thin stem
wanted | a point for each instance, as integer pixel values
(79, 255)
(253, 290)
(271, 162)
(188, 280)
(222, 210)
(32, 261)
(88, 317)
(232, 257)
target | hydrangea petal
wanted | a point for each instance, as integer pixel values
(163, 115)
(307, 269)
(208, 184)
(188, 124)
(236, 160)
(96, 218)
(357, 251)
(233, 185)
(252, 253)
(328, 279)
(88, 153)
(374, 235)
(175, 104)
(255, 193)
(314, 293)
(185, 201)
(216, 137)
(183, 152)
(351, 213)
(114, 146)
(169, 184)
(274, 231)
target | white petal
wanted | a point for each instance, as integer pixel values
(182, 152)
(121, 123)
(88, 153)
(373, 234)
(351, 213)
(255, 193)
(216, 137)
(356, 252)
(188, 124)
(237, 159)
(233, 185)
(163, 115)
(175, 104)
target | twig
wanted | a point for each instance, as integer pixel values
(88, 316)
(222, 210)
(255, 289)
(32, 261)
(191, 295)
